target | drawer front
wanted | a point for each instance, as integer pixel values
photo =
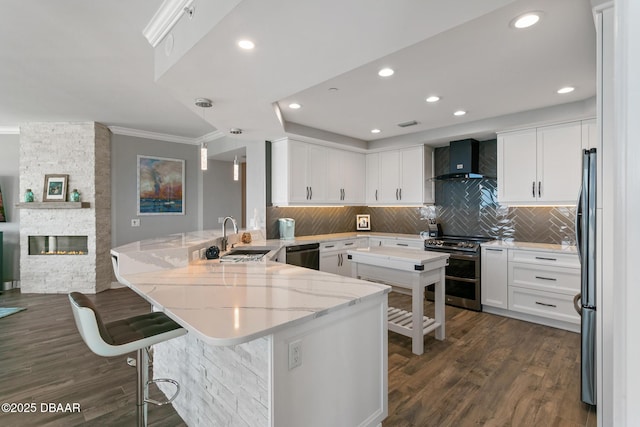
(342, 245)
(552, 279)
(543, 304)
(545, 258)
(404, 243)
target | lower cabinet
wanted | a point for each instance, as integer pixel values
(333, 256)
(544, 284)
(537, 286)
(494, 277)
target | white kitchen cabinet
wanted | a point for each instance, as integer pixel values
(372, 178)
(311, 174)
(346, 177)
(333, 255)
(540, 165)
(543, 284)
(494, 277)
(400, 177)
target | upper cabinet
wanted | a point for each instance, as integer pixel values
(346, 175)
(400, 177)
(310, 174)
(541, 166)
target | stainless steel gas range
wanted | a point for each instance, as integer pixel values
(462, 287)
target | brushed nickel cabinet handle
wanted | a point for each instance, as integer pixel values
(376, 195)
(545, 304)
(546, 278)
(546, 258)
(533, 189)
(401, 194)
(539, 188)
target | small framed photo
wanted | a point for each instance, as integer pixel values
(363, 222)
(55, 188)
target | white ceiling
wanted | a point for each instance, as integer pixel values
(73, 60)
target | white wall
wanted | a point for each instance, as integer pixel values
(626, 392)
(124, 152)
(256, 173)
(9, 183)
(222, 196)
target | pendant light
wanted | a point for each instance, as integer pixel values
(236, 169)
(204, 156)
(204, 152)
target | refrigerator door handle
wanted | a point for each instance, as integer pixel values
(578, 224)
(576, 304)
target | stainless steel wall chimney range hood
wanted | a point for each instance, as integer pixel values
(463, 160)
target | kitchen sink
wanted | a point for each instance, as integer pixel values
(244, 255)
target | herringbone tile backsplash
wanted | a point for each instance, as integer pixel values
(463, 208)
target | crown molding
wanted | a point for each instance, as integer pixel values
(153, 135)
(164, 20)
(9, 130)
(211, 136)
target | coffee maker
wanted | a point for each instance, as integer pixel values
(435, 229)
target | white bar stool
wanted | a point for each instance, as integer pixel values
(123, 336)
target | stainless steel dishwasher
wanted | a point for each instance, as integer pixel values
(307, 255)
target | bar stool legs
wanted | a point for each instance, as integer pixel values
(143, 382)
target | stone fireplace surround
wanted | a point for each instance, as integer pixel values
(81, 150)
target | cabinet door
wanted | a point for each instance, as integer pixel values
(494, 277)
(329, 262)
(335, 175)
(353, 182)
(411, 175)
(373, 177)
(389, 177)
(317, 173)
(559, 163)
(298, 183)
(517, 167)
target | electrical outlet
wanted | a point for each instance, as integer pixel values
(295, 354)
(202, 252)
(135, 222)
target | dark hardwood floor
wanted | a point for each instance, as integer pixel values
(490, 371)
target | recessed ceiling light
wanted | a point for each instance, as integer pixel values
(386, 72)
(333, 89)
(246, 44)
(375, 130)
(566, 89)
(460, 113)
(526, 20)
(433, 98)
(295, 106)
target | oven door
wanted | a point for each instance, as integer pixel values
(462, 287)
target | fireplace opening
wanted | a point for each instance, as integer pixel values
(58, 245)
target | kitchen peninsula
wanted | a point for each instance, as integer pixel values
(268, 343)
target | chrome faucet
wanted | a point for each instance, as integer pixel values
(223, 244)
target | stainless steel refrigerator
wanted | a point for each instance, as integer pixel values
(585, 302)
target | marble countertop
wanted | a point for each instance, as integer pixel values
(395, 257)
(232, 303)
(546, 247)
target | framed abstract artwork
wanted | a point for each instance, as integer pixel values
(160, 186)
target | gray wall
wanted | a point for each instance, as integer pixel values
(9, 183)
(222, 196)
(124, 152)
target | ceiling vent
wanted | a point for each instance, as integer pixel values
(235, 131)
(407, 124)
